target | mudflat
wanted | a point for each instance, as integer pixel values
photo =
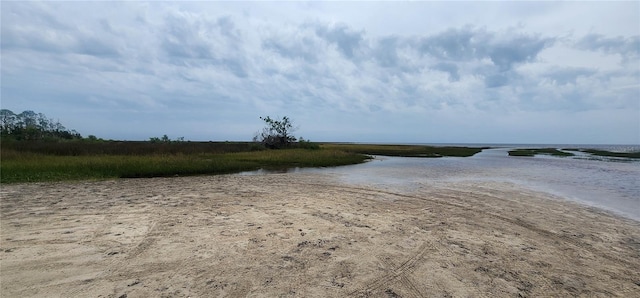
(307, 235)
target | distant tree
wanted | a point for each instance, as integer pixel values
(164, 139)
(29, 118)
(276, 134)
(30, 125)
(8, 121)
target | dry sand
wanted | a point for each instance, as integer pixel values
(307, 235)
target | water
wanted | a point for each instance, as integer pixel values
(606, 147)
(603, 183)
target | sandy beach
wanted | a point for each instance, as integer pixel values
(307, 235)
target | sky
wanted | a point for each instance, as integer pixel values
(377, 72)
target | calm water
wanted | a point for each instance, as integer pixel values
(611, 185)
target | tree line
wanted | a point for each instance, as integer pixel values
(30, 125)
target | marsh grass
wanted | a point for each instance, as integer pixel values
(533, 152)
(78, 160)
(404, 150)
(84, 147)
(611, 154)
(556, 152)
(32, 167)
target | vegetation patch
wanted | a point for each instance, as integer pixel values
(404, 150)
(533, 152)
(612, 154)
(563, 152)
(33, 161)
(87, 147)
(20, 166)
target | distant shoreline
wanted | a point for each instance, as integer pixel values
(625, 147)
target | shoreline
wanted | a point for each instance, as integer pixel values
(307, 234)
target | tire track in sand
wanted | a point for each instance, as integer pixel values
(563, 242)
(514, 221)
(394, 274)
(117, 265)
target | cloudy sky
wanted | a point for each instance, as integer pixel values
(410, 72)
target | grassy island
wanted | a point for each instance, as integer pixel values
(405, 150)
(563, 152)
(605, 153)
(544, 151)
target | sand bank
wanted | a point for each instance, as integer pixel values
(307, 235)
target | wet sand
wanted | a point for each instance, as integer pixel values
(307, 235)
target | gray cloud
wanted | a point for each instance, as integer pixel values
(496, 80)
(450, 68)
(503, 48)
(347, 40)
(37, 27)
(184, 40)
(198, 41)
(385, 51)
(456, 44)
(516, 49)
(293, 47)
(628, 47)
(53, 37)
(569, 75)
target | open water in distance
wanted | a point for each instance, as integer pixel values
(612, 185)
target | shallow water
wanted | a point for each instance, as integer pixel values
(610, 185)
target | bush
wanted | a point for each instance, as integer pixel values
(306, 144)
